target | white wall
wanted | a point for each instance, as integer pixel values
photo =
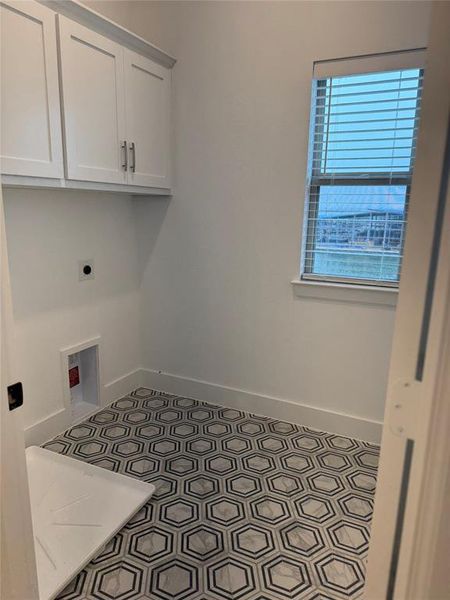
(217, 304)
(212, 268)
(47, 233)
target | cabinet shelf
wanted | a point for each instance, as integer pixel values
(45, 183)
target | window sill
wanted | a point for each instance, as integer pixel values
(345, 292)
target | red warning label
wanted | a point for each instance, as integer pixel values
(74, 376)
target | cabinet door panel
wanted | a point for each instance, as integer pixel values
(147, 99)
(31, 142)
(93, 104)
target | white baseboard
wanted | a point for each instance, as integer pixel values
(120, 387)
(269, 406)
(47, 428)
(61, 420)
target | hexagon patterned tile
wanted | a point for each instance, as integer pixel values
(245, 508)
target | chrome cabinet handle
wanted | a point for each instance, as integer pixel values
(125, 155)
(133, 155)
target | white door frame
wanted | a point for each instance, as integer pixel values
(415, 451)
(423, 565)
(18, 577)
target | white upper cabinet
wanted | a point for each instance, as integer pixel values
(147, 104)
(101, 122)
(31, 142)
(93, 104)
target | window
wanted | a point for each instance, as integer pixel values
(362, 145)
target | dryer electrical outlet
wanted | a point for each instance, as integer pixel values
(86, 269)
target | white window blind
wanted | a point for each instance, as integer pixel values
(361, 158)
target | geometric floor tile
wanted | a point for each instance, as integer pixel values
(245, 507)
(243, 485)
(349, 536)
(201, 486)
(302, 539)
(121, 580)
(312, 507)
(225, 511)
(286, 485)
(356, 506)
(252, 540)
(231, 578)
(179, 513)
(270, 510)
(286, 577)
(174, 579)
(113, 549)
(340, 573)
(202, 542)
(151, 544)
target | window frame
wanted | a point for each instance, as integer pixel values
(315, 180)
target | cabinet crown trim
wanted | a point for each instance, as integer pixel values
(94, 20)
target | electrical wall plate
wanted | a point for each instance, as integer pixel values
(86, 269)
(15, 395)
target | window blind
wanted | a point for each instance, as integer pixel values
(361, 159)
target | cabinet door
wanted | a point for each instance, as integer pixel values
(147, 99)
(93, 104)
(31, 142)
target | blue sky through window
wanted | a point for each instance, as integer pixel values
(365, 129)
(337, 200)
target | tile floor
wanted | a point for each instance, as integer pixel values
(246, 507)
